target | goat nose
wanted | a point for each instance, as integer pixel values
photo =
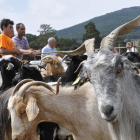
(107, 110)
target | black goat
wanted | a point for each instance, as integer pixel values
(27, 72)
(132, 56)
(8, 66)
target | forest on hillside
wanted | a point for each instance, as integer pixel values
(104, 24)
(46, 31)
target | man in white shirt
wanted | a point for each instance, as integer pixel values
(130, 48)
(134, 49)
(50, 47)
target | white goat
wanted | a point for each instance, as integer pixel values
(76, 110)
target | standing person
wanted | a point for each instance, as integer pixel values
(7, 46)
(20, 40)
(128, 46)
(50, 47)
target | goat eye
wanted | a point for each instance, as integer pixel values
(119, 68)
(22, 112)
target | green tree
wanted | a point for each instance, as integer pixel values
(46, 31)
(120, 41)
(128, 39)
(65, 44)
(35, 42)
(92, 32)
(31, 37)
(103, 36)
(139, 43)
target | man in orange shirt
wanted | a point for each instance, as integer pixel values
(7, 46)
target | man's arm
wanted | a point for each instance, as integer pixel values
(9, 51)
(31, 52)
(36, 51)
(27, 47)
(59, 55)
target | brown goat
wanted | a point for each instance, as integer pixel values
(54, 66)
(76, 110)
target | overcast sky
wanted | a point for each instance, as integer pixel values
(59, 14)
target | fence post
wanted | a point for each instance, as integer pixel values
(119, 50)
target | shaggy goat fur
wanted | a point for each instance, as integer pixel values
(118, 93)
(5, 122)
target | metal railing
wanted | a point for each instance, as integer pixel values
(119, 48)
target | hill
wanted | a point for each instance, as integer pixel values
(104, 24)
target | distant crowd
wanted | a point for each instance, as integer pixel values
(18, 45)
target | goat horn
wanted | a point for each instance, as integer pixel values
(80, 65)
(64, 57)
(88, 46)
(24, 87)
(109, 41)
(47, 56)
(47, 61)
(57, 87)
(20, 84)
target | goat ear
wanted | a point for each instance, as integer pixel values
(129, 65)
(20, 108)
(83, 77)
(32, 109)
(10, 66)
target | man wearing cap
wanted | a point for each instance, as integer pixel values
(128, 46)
